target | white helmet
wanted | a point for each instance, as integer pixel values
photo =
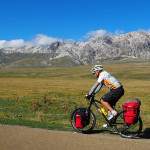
(96, 68)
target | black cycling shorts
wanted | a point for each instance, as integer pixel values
(113, 96)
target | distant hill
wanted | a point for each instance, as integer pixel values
(95, 50)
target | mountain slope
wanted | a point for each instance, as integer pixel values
(40, 63)
(130, 45)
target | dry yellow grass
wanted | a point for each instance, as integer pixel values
(76, 81)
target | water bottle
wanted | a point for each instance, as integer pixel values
(103, 111)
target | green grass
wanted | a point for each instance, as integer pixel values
(45, 97)
(36, 124)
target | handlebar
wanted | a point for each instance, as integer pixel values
(91, 98)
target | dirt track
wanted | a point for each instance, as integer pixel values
(24, 138)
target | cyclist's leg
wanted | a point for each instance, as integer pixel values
(106, 104)
(111, 98)
(110, 110)
(107, 100)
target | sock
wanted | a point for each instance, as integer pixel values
(114, 113)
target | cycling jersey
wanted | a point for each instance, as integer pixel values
(116, 89)
(105, 79)
(108, 80)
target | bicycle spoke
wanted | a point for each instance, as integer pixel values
(127, 130)
(88, 127)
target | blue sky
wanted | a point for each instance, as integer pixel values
(37, 22)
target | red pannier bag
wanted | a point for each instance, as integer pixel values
(81, 119)
(131, 111)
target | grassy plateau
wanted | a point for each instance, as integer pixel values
(46, 97)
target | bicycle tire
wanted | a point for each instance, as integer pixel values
(127, 130)
(88, 128)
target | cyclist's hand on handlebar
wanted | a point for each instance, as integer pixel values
(87, 96)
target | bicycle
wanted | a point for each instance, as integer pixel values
(123, 129)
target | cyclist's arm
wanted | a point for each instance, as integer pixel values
(96, 87)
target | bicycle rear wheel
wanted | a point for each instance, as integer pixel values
(127, 130)
(88, 127)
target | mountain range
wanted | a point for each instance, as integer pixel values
(95, 50)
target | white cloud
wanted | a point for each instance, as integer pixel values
(69, 41)
(101, 33)
(12, 43)
(118, 32)
(97, 33)
(42, 39)
(145, 31)
(148, 31)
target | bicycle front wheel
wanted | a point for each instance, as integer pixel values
(88, 127)
(127, 130)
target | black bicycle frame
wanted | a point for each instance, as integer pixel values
(93, 101)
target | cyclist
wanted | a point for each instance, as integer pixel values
(116, 89)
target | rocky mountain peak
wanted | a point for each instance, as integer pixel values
(133, 44)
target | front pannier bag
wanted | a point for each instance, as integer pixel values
(131, 111)
(82, 118)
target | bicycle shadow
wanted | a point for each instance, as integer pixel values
(102, 131)
(144, 135)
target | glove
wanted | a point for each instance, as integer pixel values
(87, 96)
